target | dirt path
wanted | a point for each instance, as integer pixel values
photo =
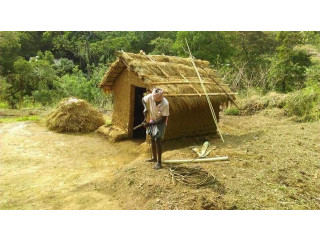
(41, 169)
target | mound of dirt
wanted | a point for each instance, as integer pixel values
(74, 115)
(150, 189)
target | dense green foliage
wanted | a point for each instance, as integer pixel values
(40, 68)
(305, 103)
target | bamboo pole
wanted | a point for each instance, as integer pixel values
(181, 82)
(151, 59)
(207, 79)
(205, 91)
(197, 160)
(193, 94)
(190, 84)
(221, 88)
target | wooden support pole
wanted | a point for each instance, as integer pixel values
(181, 82)
(197, 160)
(163, 72)
(193, 94)
(221, 88)
(192, 79)
(190, 84)
(205, 91)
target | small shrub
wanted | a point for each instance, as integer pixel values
(305, 103)
(4, 105)
(28, 102)
(232, 111)
(255, 103)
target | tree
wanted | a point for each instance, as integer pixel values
(29, 77)
(162, 46)
(73, 45)
(9, 51)
(32, 43)
(109, 42)
(253, 47)
(288, 65)
(212, 46)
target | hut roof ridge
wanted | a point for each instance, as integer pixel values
(162, 66)
(175, 75)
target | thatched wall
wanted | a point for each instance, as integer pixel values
(190, 122)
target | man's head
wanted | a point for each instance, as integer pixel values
(157, 94)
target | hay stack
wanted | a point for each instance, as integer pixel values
(113, 133)
(74, 115)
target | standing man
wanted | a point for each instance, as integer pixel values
(158, 108)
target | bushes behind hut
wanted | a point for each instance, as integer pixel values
(74, 115)
(302, 105)
(305, 103)
(255, 103)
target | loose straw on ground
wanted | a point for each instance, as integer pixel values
(197, 176)
(205, 92)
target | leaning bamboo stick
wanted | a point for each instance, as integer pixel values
(151, 59)
(197, 160)
(190, 84)
(221, 88)
(193, 94)
(206, 79)
(205, 91)
(181, 82)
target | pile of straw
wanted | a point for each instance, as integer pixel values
(113, 133)
(74, 115)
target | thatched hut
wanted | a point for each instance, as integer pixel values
(132, 75)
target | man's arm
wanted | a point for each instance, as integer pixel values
(145, 110)
(161, 120)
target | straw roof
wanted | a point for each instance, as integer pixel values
(175, 75)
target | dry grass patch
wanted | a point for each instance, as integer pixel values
(274, 164)
(256, 103)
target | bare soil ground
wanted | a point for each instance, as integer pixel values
(274, 164)
(41, 169)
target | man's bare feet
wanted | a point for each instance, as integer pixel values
(151, 160)
(157, 166)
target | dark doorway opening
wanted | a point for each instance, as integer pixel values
(138, 113)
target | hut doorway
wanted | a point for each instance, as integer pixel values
(138, 112)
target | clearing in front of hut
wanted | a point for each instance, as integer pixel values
(274, 164)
